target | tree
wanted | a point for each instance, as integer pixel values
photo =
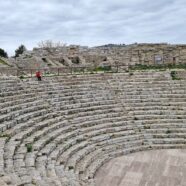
(3, 53)
(50, 44)
(20, 50)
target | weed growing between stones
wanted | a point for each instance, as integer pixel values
(29, 147)
(174, 75)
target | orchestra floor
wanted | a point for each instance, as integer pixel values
(148, 168)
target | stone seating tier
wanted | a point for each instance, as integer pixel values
(61, 130)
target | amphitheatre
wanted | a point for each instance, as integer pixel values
(113, 115)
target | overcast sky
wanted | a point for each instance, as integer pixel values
(91, 22)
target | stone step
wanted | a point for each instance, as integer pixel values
(22, 118)
(20, 107)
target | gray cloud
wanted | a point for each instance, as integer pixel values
(91, 22)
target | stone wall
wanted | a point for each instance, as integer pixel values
(125, 55)
(148, 54)
(159, 54)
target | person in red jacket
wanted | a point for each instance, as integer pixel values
(38, 75)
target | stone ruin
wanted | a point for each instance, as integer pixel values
(147, 54)
(60, 131)
(124, 55)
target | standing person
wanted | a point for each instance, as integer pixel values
(38, 75)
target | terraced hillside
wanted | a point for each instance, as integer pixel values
(60, 131)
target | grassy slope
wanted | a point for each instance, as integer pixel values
(3, 62)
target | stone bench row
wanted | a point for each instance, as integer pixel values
(128, 101)
(159, 107)
(182, 112)
(97, 77)
(88, 111)
(19, 114)
(148, 85)
(23, 118)
(42, 90)
(20, 107)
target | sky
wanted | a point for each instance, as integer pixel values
(91, 22)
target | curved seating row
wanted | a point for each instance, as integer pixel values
(61, 130)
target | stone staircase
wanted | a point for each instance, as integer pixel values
(60, 131)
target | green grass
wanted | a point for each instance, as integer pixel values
(4, 135)
(7, 136)
(3, 62)
(105, 68)
(157, 67)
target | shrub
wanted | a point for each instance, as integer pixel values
(3, 53)
(20, 50)
(76, 60)
(21, 77)
(29, 147)
(146, 127)
(105, 59)
(174, 75)
(131, 73)
(168, 131)
(44, 59)
(70, 167)
(135, 118)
